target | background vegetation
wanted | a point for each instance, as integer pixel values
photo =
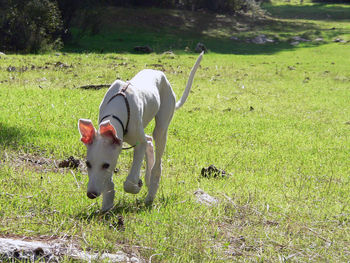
(31, 26)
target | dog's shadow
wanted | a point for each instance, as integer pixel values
(113, 218)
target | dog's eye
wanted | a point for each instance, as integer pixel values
(105, 166)
(88, 164)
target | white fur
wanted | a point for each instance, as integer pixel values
(150, 96)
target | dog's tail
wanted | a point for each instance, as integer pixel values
(189, 82)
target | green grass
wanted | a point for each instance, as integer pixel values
(287, 198)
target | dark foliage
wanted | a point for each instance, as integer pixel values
(29, 26)
(68, 10)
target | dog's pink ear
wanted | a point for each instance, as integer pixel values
(87, 131)
(107, 130)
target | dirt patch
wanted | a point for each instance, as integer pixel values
(41, 164)
(96, 87)
(71, 162)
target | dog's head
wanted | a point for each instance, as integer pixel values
(103, 149)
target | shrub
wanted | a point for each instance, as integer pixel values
(29, 26)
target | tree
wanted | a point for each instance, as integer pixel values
(29, 26)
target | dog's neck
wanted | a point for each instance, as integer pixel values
(117, 108)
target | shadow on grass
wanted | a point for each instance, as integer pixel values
(105, 43)
(114, 217)
(122, 207)
(10, 136)
(163, 30)
(310, 12)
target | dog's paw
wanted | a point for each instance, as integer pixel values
(132, 188)
(106, 208)
(149, 200)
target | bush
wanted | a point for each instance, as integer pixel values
(30, 26)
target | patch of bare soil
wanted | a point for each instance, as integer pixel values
(41, 164)
(234, 241)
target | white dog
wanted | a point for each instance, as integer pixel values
(125, 111)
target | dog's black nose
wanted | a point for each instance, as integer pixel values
(92, 195)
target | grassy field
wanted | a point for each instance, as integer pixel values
(275, 117)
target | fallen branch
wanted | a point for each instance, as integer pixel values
(21, 250)
(95, 86)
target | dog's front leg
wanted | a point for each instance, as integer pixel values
(108, 197)
(133, 182)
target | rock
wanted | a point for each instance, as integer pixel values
(234, 38)
(11, 69)
(306, 80)
(300, 39)
(200, 47)
(261, 39)
(339, 40)
(319, 39)
(204, 198)
(143, 49)
(295, 43)
(169, 53)
(60, 64)
(2, 54)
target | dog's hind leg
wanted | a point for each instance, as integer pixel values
(163, 119)
(149, 159)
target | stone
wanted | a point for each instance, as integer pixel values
(339, 40)
(300, 39)
(262, 39)
(204, 198)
